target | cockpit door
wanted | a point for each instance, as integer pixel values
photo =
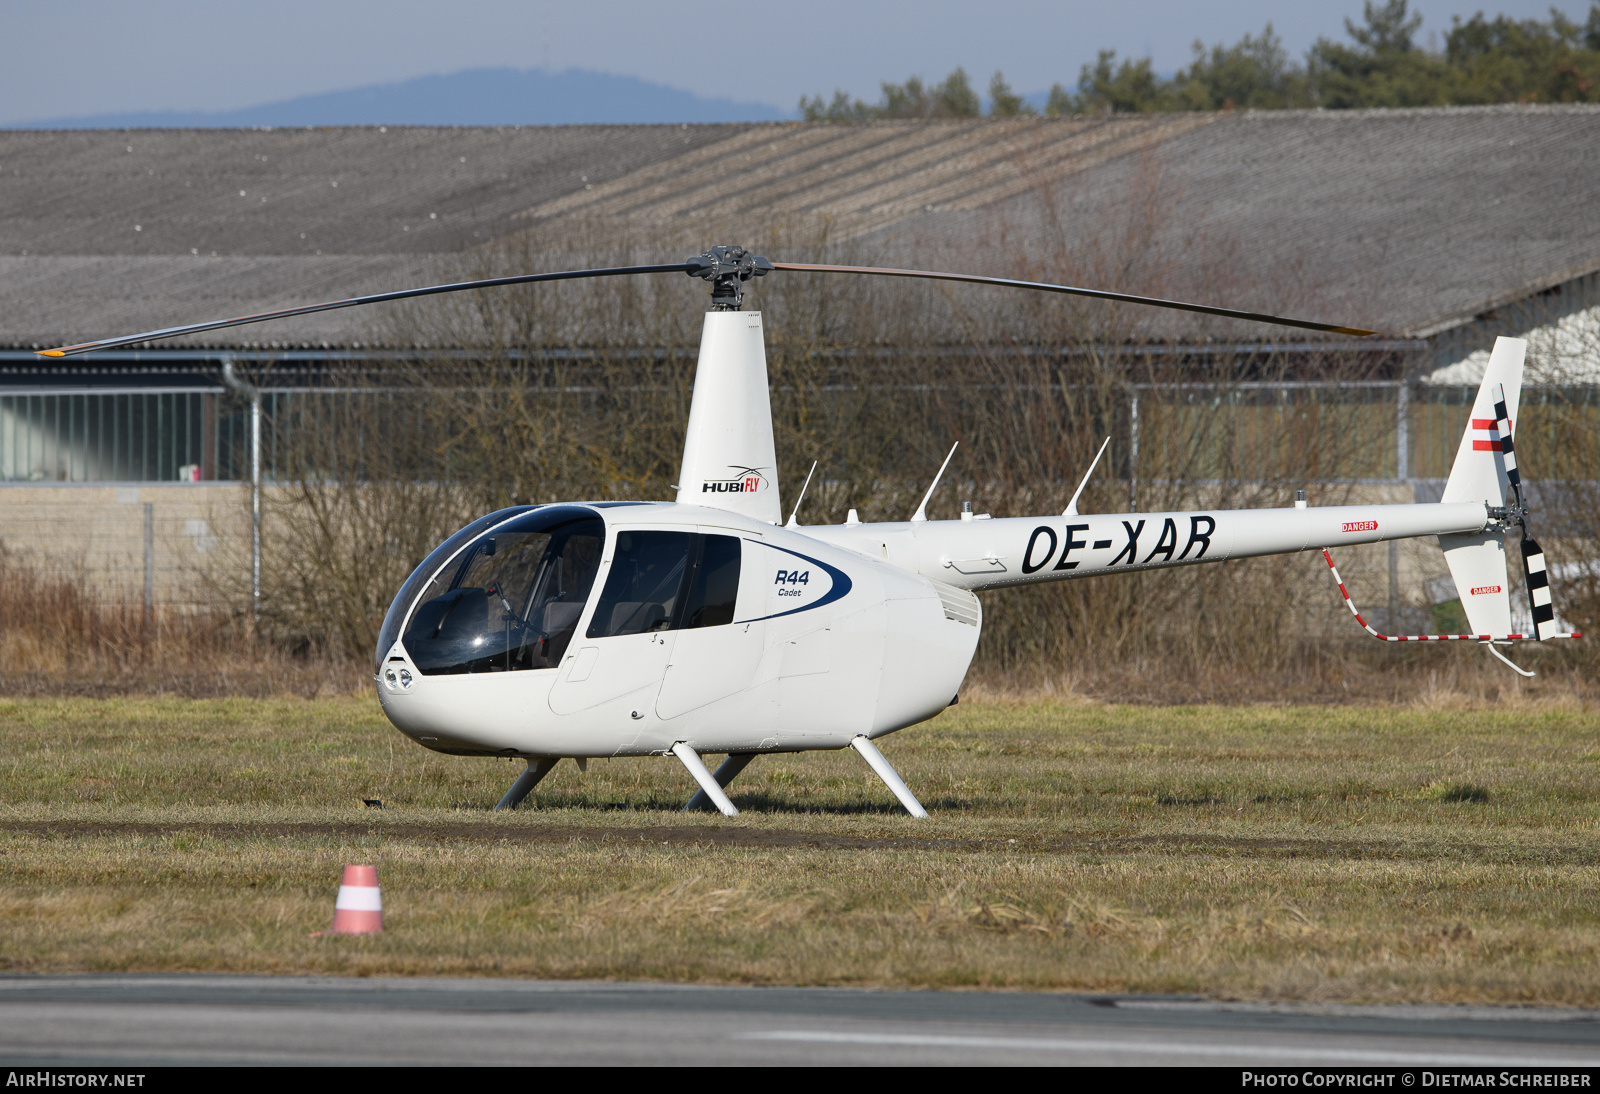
(624, 649)
(715, 656)
(599, 671)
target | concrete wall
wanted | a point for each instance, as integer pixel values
(183, 542)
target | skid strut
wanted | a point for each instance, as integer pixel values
(725, 774)
(891, 779)
(708, 785)
(538, 768)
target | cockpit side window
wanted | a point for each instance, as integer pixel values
(643, 590)
(661, 581)
(715, 586)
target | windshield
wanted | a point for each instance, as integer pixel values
(511, 599)
(436, 558)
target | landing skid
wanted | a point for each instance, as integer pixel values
(711, 796)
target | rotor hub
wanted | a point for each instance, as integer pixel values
(727, 268)
(1507, 517)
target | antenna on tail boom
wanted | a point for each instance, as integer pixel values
(922, 510)
(1072, 506)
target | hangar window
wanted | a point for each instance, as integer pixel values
(663, 581)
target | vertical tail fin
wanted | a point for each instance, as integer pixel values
(1477, 560)
(1479, 473)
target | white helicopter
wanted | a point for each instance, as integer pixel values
(710, 625)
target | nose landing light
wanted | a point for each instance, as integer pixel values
(397, 677)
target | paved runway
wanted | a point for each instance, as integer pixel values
(150, 1020)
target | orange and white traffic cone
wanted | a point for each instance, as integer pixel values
(359, 909)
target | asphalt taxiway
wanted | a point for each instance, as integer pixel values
(150, 1020)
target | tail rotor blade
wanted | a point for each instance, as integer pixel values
(1541, 609)
(1502, 429)
(1537, 577)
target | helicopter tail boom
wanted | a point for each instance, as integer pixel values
(985, 553)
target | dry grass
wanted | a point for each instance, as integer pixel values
(1262, 852)
(59, 635)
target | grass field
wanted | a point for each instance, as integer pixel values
(1246, 852)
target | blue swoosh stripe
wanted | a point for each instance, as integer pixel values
(841, 584)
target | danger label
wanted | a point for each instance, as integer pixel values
(1481, 589)
(1360, 526)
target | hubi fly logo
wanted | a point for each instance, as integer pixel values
(745, 480)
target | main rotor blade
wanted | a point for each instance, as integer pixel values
(356, 301)
(1071, 290)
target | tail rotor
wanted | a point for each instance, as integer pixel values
(1541, 608)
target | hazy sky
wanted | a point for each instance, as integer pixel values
(73, 57)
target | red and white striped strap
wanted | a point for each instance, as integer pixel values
(1344, 592)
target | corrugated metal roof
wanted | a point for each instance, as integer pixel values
(1414, 218)
(1404, 219)
(866, 177)
(300, 191)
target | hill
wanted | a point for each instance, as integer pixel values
(483, 96)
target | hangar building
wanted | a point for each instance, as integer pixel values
(1441, 227)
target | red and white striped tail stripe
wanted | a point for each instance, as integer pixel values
(1485, 437)
(1344, 592)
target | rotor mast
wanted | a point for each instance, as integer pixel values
(727, 268)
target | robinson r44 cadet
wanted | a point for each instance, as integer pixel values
(708, 624)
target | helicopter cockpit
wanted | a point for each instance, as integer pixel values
(506, 592)
(510, 599)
